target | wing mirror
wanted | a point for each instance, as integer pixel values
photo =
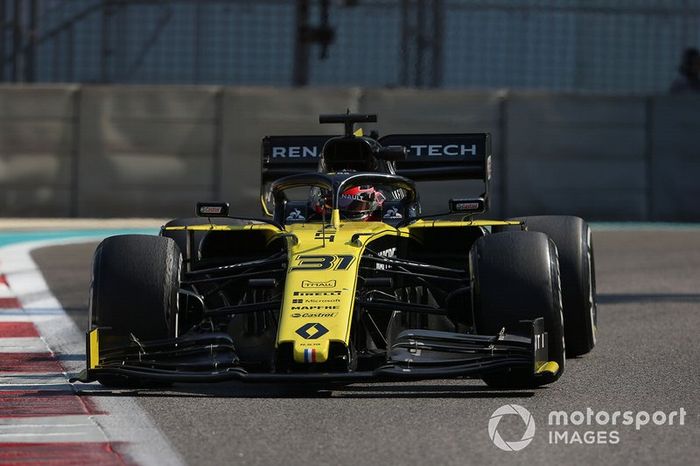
(469, 206)
(212, 209)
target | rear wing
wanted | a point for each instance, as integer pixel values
(429, 156)
(432, 157)
(290, 155)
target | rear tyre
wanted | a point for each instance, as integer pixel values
(134, 291)
(572, 235)
(515, 277)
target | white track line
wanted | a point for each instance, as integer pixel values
(32, 381)
(51, 429)
(125, 421)
(22, 345)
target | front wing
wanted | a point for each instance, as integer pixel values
(414, 355)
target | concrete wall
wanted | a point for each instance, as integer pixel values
(37, 151)
(583, 155)
(147, 151)
(675, 165)
(99, 151)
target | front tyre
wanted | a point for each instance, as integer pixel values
(134, 291)
(515, 277)
(572, 235)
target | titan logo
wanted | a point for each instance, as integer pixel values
(311, 331)
(310, 284)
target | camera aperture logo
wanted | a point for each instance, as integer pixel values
(527, 436)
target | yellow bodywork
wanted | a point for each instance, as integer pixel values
(320, 285)
(93, 349)
(550, 367)
(319, 294)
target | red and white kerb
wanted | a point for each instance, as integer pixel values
(42, 421)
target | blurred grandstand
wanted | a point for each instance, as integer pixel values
(613, 46)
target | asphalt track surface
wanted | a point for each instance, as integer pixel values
(647, 359)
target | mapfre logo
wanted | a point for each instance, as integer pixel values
(508, 410)
(310, 284)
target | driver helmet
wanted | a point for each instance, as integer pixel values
(356, 203)
(361, 203)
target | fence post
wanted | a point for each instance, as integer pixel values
(30, 50)
(301, 44)
(217, 164)
(403, 48)
(438, 37)
(17, 41)
(648, 158)
(2, 40)
(105, 45)
(502, 160)
(74, 210)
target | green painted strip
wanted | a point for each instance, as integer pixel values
(7, 238)
(644, 226)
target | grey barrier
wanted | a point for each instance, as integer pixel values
(675, 161)
(153, 151)
(584, 155)
(147, 151)
(37, 150)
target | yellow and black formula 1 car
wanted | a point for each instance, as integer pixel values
(345, 280)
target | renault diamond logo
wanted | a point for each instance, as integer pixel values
(311, 331)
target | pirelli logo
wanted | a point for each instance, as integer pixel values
(318, 293)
